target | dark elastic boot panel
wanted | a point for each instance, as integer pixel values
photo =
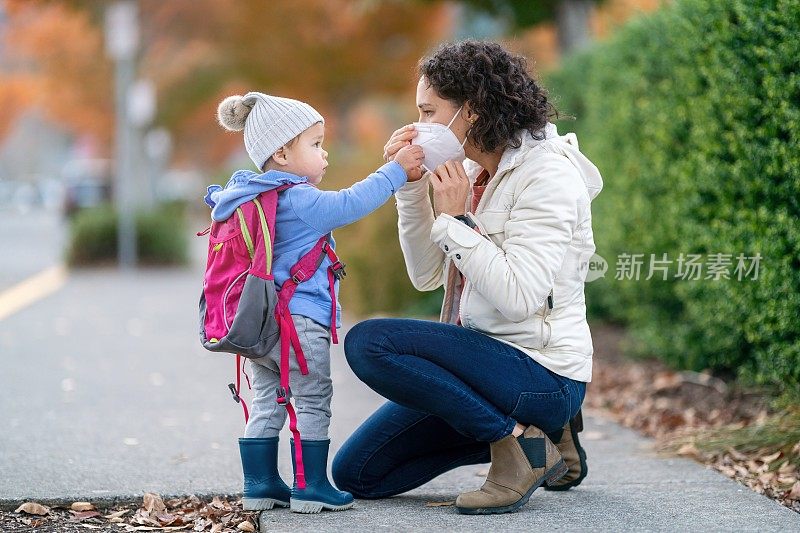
(534, 450)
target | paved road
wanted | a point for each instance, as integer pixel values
(32, 242)
(105, 393)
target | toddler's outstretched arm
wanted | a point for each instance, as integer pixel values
(325, 211)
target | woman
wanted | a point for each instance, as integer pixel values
(508, 234)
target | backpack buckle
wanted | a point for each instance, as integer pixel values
(236, 397)
(338, 270)
(284, 395)
(299, 277)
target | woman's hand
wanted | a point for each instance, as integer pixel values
(450, 189)
(399, 139)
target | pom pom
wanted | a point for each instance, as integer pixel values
(232, 113)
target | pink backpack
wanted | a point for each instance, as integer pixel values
(241, 312)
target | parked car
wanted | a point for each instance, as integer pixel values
(87, 183)
(85, 193)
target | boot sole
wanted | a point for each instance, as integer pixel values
(261, 504)
(554, 474)
(311, 507)
(584, 467)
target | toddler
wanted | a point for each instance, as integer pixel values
(284, 139)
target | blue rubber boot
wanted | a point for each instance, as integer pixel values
(319, 494)
(263, 486)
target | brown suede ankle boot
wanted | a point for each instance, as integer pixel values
(519, 466)
(573, 454)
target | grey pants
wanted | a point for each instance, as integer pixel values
(311, 393)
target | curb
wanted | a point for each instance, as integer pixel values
(106, 502)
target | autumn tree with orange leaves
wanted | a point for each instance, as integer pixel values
(329, 52)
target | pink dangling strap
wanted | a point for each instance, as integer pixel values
(236, 389)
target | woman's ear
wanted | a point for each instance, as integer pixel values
(469, 115)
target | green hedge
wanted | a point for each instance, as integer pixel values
(692, 115)
(161, 237)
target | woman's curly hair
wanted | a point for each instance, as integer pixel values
(498, 87)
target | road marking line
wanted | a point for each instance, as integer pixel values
(32, 290)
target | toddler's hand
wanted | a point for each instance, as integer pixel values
(410, 158)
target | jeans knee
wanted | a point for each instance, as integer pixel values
(361, 345)
(340, 473)
(344, 473)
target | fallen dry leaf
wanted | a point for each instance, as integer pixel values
(767, 478)
(117, 514)
(795, 492)
(439, 504)
(736, 455)
(666, 381)
(83, 515)
(166, 519)
(33, 508)
(689, 450)
(246, 526)
(154, 528)
(216, 503)
(769, 458)
(82, 506)
(153, 502)
(216, 528)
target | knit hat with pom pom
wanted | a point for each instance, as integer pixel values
(269, 122)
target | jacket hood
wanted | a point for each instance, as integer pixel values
(243, 186)
(566, 145)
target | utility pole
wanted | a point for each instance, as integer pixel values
(122, 43)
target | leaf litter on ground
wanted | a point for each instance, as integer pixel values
(733, 430)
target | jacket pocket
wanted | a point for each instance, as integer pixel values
(493, 222)
(546, 330)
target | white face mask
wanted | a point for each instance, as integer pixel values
(439, 143)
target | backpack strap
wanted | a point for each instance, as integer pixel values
(261, 215)
(248, 238)
(267, 206)
(301, 272)
(236, 389)
(336, 271)
(288, 336)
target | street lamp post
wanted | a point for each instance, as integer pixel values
(122, 42)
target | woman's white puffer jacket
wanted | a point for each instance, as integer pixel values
(532, 252)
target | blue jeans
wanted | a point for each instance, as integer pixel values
(452, 391)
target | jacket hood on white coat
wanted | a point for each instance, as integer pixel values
(566, 145)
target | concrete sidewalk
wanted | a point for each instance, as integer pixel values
(105, 393)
